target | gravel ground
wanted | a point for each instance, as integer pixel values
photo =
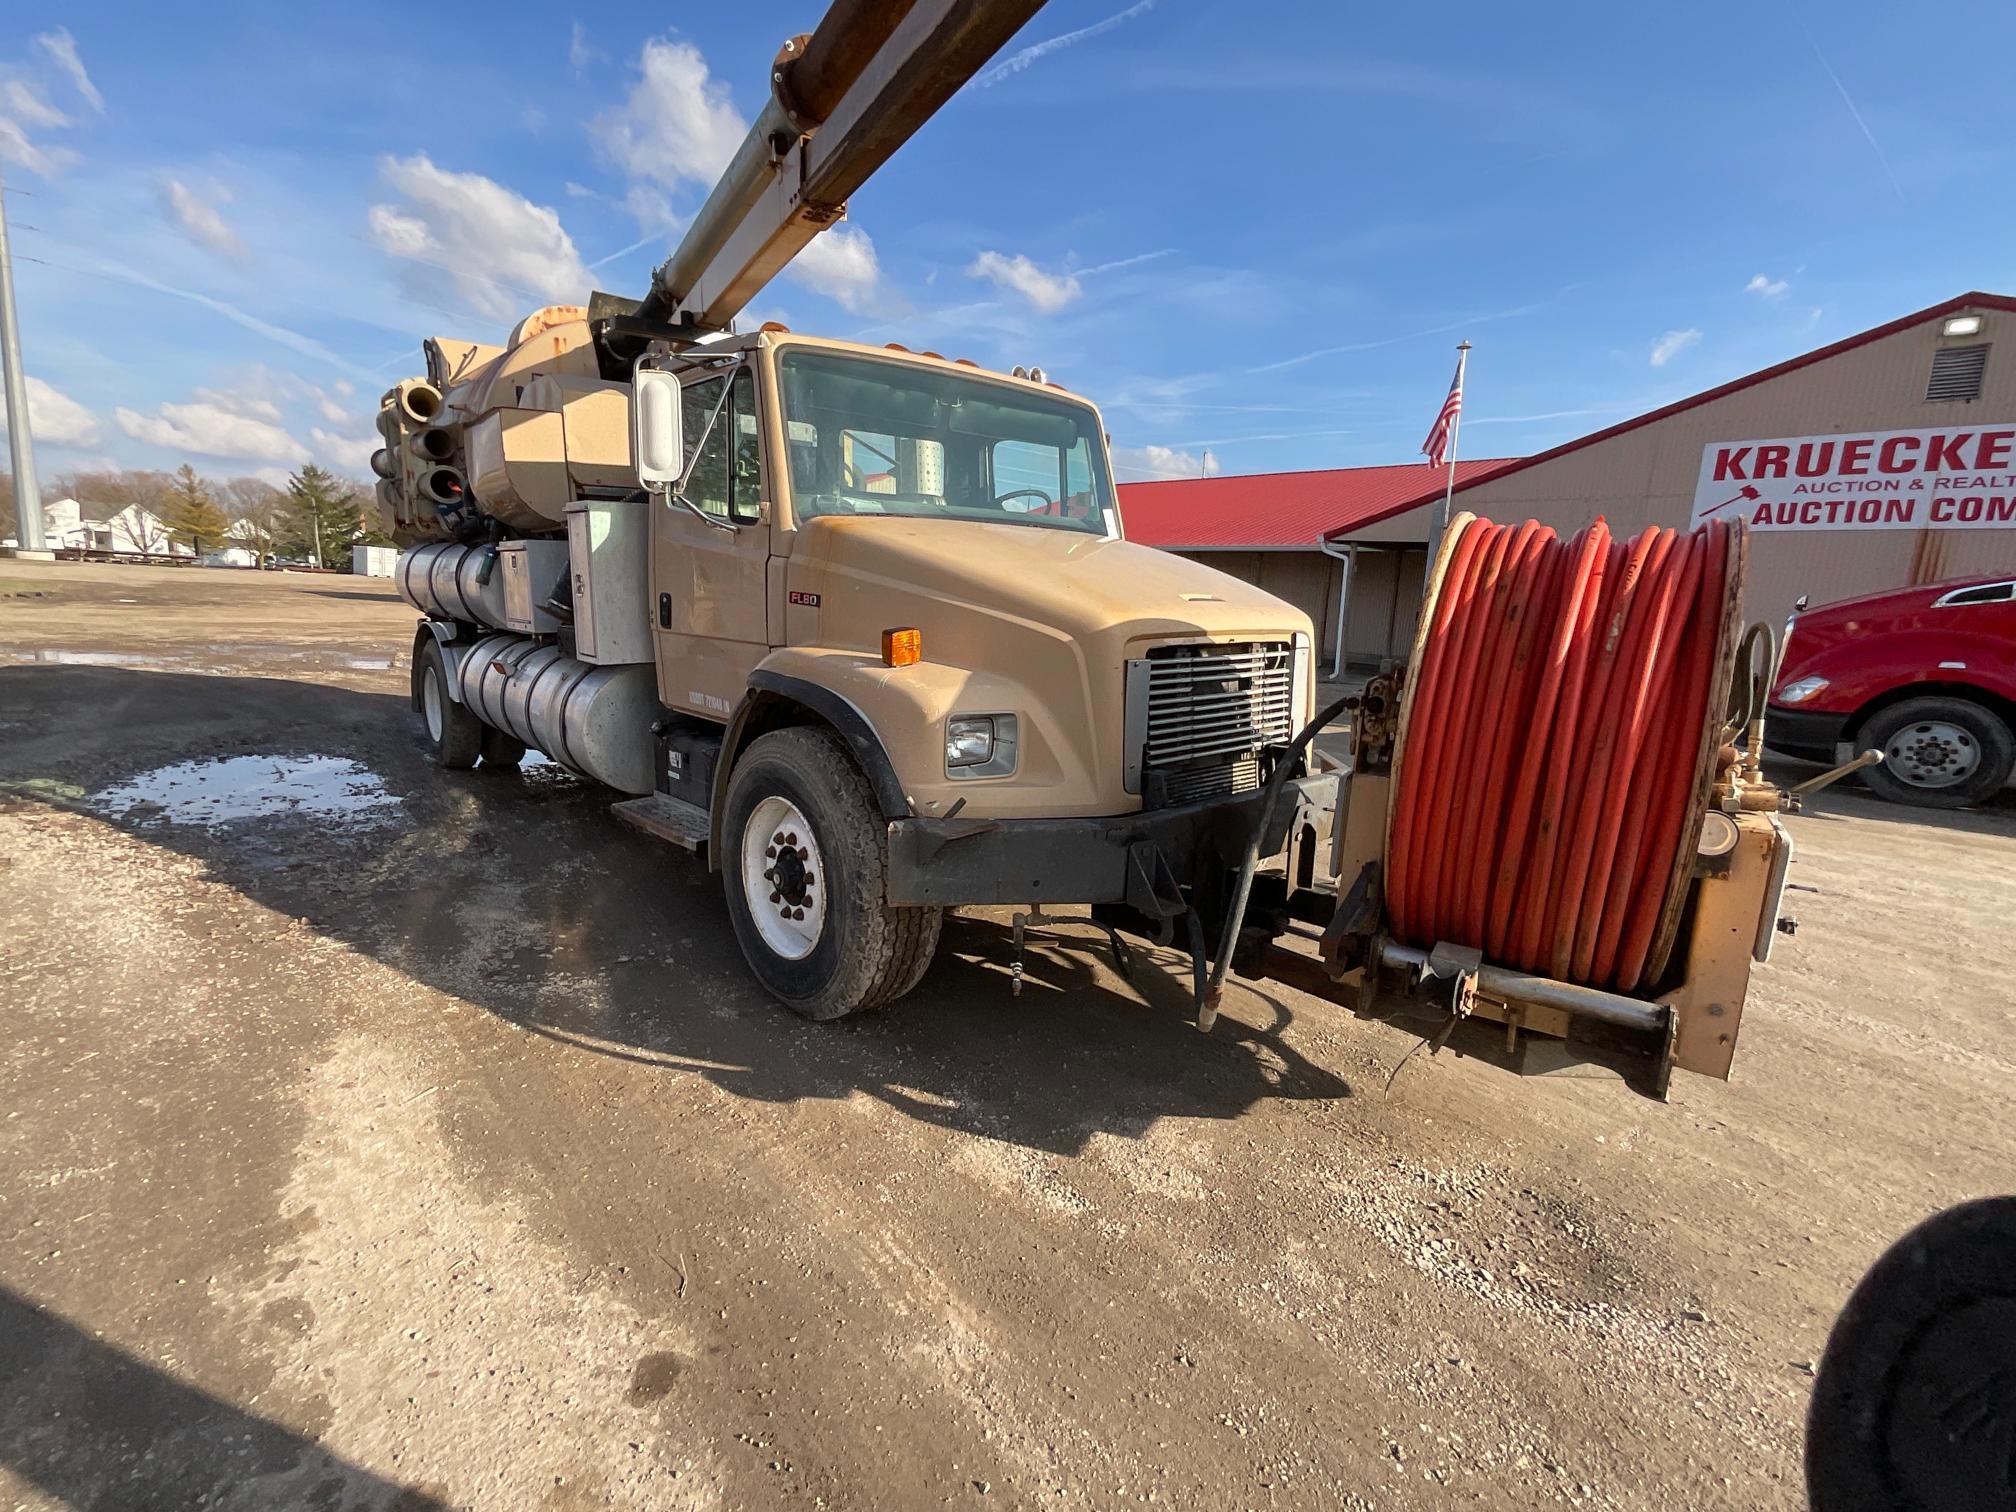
(374, 1137)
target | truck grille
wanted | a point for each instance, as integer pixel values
(1201, 713)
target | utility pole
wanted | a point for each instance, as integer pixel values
(27, 496)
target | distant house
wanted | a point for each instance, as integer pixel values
(71, 525)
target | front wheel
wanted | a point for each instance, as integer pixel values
(1938, 752)
(806, 855)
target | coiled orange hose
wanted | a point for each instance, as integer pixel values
(1554, 737)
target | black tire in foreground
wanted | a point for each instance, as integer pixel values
(1938, 752)
(805, 857)
(454, 735)
(1915, 1404)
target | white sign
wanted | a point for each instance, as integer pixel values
(1946, 477)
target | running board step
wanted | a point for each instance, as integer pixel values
(684, 824)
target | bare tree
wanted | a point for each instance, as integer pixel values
(258, 515)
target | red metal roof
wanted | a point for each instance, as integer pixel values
(1970, 301)
(1276, 510)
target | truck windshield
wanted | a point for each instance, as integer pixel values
(888, 438)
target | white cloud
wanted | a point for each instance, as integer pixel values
(62, 50)
(1770, 288)
(201, 221)
(26, 110)
(1048, 292)
(352, 452)
(1015, 62)
(473, 240)
(265, 393)
(678, 126)
(241, 402)
(652, 209)
(24, 104)
(1672, 344)
(1150, 462)
(17, 148)
(580, 51)
(54, 418)
(839, 263)
(212, 430)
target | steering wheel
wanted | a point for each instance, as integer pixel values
(1016, 493)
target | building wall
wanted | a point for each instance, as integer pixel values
(1385, 594)
(1303, 578)
(1648, 475)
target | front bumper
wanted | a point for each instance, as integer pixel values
(1809, 733)
(1129, 858)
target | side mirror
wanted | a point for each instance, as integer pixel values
(656, 423)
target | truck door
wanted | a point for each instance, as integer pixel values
(708, 581)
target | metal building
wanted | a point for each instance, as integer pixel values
(1269, 528)
(1883, 460)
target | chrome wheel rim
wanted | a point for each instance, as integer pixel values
(1932, 753)
(784, 878)
(430, 702)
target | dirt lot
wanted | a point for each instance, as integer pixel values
(416, 1139)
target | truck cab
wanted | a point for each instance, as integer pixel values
(861, 627)
(1926, 675)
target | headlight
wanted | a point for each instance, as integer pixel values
(980, 745)
(969, 741)
(1798, 692)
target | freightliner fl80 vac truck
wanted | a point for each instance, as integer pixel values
(860, 628)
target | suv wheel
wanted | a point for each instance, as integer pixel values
(1938, 752)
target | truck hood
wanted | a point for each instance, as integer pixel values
(1080, 587)
(1015, 619)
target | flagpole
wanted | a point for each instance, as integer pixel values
(1439, 522)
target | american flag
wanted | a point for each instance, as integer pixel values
(1436, 447)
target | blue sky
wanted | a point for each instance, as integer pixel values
(1253, 233)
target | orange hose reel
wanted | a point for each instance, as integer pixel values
(1556, 745)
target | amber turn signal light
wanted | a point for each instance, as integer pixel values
(902, 648)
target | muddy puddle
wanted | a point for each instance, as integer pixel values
(232, 790)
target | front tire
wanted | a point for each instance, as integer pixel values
(454, 735)
(806, 854)
(1938, 753)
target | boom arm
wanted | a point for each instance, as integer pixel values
(842, 101)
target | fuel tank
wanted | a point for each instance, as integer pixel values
(595, 721)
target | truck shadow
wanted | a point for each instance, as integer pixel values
(520, 893)
(93, 1427)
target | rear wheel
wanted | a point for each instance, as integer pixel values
(454, 734)
(1938, 752)
(805, 854)
(501, 750)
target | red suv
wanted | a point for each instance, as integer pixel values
(1925, 675)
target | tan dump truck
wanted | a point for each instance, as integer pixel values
(860, 627)
(863, 630)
